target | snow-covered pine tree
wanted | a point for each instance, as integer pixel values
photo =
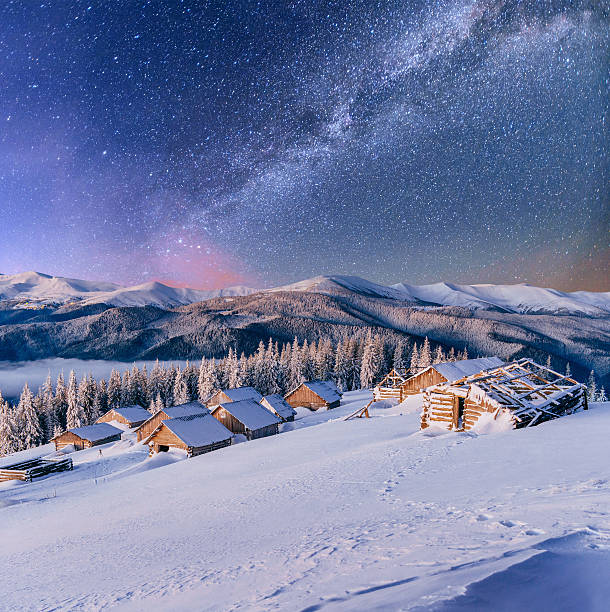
(100, 401)
(340, 370)
(114, 390)
(75, 416)
(568, 370)
(548, 362)
(8, 434)
(425, 354)
(84, 398)
(60, 402)
(296, 366)
(591, 387)
(398, 359)
(208, 381)
(48, 409)
(439, 356)
(325, 359)
(368, 367)
(181, 391)
(451, 356)
(29, 432)
(601, 395)
(414, 367)
(126, 389)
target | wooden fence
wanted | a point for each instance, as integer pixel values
(34, 468)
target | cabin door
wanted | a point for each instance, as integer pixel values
(458, 413)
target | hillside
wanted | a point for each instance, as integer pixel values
(210, 327)
(331, 515)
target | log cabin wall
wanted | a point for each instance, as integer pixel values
(229, 421)
(420, 381)
(220, 397)
(165, 437)
(438, 409)
(67, 438)
(111, 415)
(149, 426)
(303, 396)
(263, 432)
(383, 393)
(201, 450)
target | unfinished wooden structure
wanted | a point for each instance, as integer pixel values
(87, 436)
(132, 416)
(233, 395)
(447, 371)
(523, 390)
(173, 412)
(196, 434)
(389, 387)
(247, 417)
(315, 394)
(34, 468)
(279, 406)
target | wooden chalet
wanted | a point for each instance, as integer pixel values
(87, 436)
(315, 394)
(132, 416)
(196, 434)
(247, 417)
(172, 412)
(389, 387)
(524, 390)
(279, 406)
(225, 396)
(448, 371)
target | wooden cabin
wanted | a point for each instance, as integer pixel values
(279, 406)
(247, 417)
(196, 434)
(172, 412)
(448, 371)
(389, 387)
(87, 436)
(315, 394)
(225, 396)
(132, 416)
(524, 391)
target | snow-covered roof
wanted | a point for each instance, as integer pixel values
(454, 370)
(523, 386)
(243, 393)
(133, 413)
(198, 429)
(175, 412)
(326, 389)
(252, 414)
(95, 432)
(279, 405)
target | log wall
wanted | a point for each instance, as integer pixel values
(303, 396)
(420, 381)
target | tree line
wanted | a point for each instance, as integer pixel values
(352, 363)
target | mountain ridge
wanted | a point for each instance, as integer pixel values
(35, 289)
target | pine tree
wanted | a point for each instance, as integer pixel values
(439, 356)
(60, 402)
(75, 416)
(548, 362)
(126, 389)
(601, 396)
(181, 391)
(414, 360)
(85, 397)
(592, 387)
(398, 360)
(48, 409)
(114, 390)
(208, 382)
(425, 355)
(8, 435)
(100, 401)
(368, 367)
(29, 432)
(296, 367)
(451, 356)
(568, 370)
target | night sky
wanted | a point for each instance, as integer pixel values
(257, 143)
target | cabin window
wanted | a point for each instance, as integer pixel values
(163, 448)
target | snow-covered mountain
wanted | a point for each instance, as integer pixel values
(521, 298)
(34, 288)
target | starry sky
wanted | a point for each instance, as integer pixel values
(214, 143)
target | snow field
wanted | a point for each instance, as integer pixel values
(332, 514)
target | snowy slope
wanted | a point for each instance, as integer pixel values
(520, 298)
(329, 515)
(41, 288)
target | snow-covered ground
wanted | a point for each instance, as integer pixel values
(367, 514)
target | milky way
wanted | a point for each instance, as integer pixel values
(215, 143)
